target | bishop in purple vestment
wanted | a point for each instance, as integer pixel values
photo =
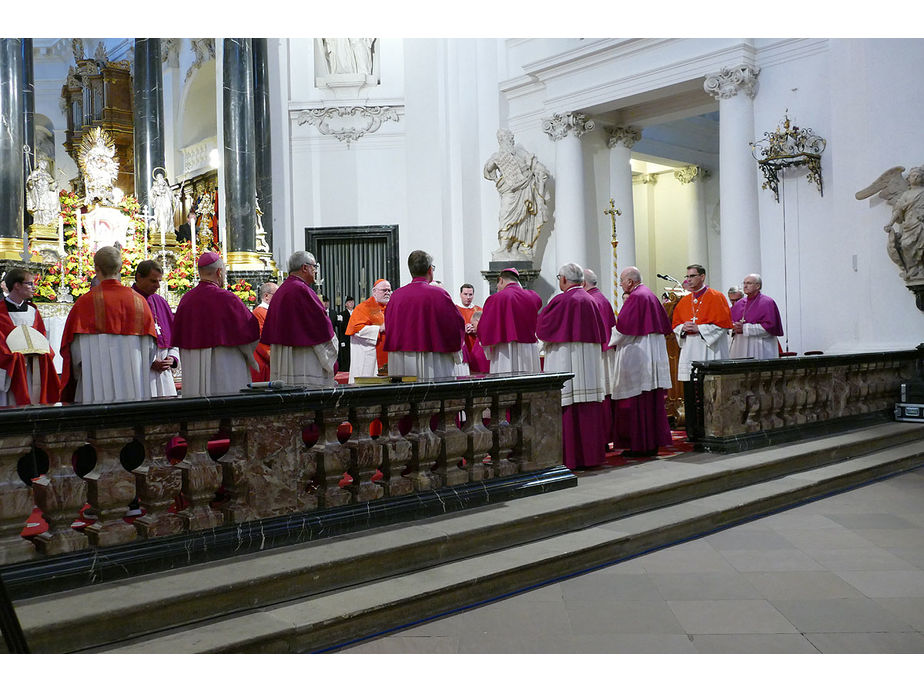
(756, 323)
(148, 275)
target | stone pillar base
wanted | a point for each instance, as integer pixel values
(528, 270)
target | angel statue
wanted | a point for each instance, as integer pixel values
(906, 227)
(41, 198)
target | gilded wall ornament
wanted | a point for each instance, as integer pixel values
(786, 147)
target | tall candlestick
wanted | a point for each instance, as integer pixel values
(61, 235)
(79, 243)
(192, 235)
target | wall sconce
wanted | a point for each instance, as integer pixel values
(785, 147)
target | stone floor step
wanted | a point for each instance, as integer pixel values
(86, 618)
(331, 620)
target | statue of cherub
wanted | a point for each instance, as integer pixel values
(906, 227)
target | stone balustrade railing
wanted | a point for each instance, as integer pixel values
(742, 404)
(287, 454)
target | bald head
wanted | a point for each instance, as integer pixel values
(590, 278)
(108, 262)
(630, 278)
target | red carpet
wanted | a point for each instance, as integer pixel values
(680, 444)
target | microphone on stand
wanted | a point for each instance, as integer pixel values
(669, 278)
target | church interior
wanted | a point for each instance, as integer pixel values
(792, 158)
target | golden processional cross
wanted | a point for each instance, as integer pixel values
(613, 212)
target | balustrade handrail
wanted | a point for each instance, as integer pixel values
(728, 366)
(41, 419)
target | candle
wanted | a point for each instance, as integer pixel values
(61, 235)
(79, 244)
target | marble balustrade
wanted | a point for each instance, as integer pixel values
(742, 404)
(287, 452)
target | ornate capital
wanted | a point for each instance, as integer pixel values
(645, 178)
(726, 83)
(688, 174)
(170, 51)
(627, 136)
(348, 123)
(560, 124)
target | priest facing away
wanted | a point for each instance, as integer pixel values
(423, 328)
(303, 346)
(572, 330)
(109, 339)
(215, 333)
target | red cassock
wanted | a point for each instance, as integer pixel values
(15, 364)
(262, 353)
(108, 308)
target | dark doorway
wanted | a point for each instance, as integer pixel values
(352, 258)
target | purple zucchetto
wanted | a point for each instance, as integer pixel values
(208, 258)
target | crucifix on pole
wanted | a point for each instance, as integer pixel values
(613, 213)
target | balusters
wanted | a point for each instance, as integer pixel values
(201, 477)
(396, 451)
(365, 454)
(478, 439)
(15, 500)
(158, 483)
(111, 487)
(331, 459)
(60, 494)
(505, 435)
(425, 446)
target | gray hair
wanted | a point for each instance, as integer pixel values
(572, 271)
(590, 277)
(213, 268)
(734, 290)
(299, 258)
(264, 287)
(760, 282)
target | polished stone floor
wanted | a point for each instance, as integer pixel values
(844, 574)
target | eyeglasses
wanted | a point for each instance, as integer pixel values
(693, 276)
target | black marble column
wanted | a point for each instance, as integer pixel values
(28, 113)
(148, 87)
(261, 121)
(239, 149)
(12, 185)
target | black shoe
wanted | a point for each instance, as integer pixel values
(637, 454)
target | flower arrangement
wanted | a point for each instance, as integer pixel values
(77, 267)
(244, 291)
(180, 279)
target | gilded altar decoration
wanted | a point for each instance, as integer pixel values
(788, 146)
(99, 165)
(905, 229)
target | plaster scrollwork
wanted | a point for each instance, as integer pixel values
(626, 136)
(348, 123)
(560, 124)
(203, 51)
(729, 81)
(689, 174)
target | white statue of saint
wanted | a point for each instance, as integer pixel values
(521, 182)
(349, 56)
(163, 205)
(41, 197)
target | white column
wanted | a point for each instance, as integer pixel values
(620, 141)
(697, 242)
(734, 89)
(571, 231)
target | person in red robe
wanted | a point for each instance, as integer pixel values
(475, 357)
(216, 334)
(701, 321)
(507, 329)
(304, 346)
(262, 353)
(572, 330)
(18, 309)
(643, 374)
(468, 309)
(109, 339)
(608, 315)
(366, 330)
(424, 330)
